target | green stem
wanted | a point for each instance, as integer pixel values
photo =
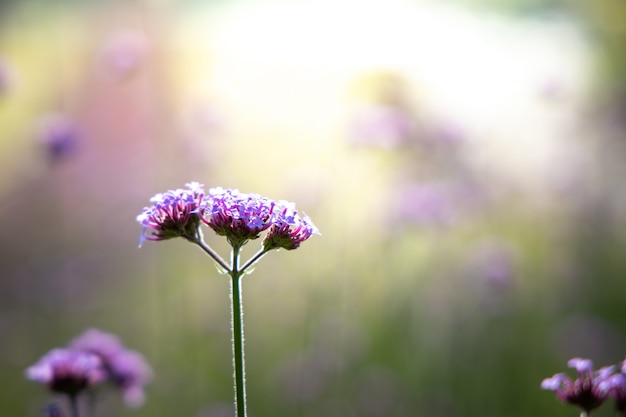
(252, 260)
(237, 327)
(74, 405)
(198, 240)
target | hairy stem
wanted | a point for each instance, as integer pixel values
(198, 240)
(237, 327)
(252, 260)
(73, 405)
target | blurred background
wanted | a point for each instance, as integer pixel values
(463, 159)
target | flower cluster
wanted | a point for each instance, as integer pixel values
(67, 371)
(93, 358)
(592, 388)
(288, 228)
(172, 214)
(238, 216)
(126, 369)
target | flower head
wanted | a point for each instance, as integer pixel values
(172, 214)
(67, 371)
(288, 229)
(228, 212)
(616, 387)
(588, 391)
(238, 216)
(126, 369)
(59, 136)
(98, 342)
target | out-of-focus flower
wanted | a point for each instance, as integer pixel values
(130, 372)
(58, 135)
(173, 214)
(616, 386)
(588, 391)
(382, 125)
(434, 203)
(68, 371)
(238, 216)
(288, 228)
(124, 53)
(126, 369)
(96, 341)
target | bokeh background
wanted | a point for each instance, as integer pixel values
(464, 161)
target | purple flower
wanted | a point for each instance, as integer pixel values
(238, 216)
(588, 391)
(98, 342)
(616, 386)
(59, 136)
(124, 53)
(288, 228)
(382, 125)
(67, 371)
(126, 369)
(173, 214)
(130, 373)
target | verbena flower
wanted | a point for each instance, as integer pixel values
(172, 214)
(96, 341)
(588, 391)
(238, 216)
(288, 228)
(68, 371)
(126, 369)
(59, 136)
(616, 387)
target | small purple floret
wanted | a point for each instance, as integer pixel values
(67, 371)
(588, 391)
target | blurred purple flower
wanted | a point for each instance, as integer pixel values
(238, 216)
(588, 391)
(130, 373)
(124, 53)
(126, 369)
(288, 229)
(98, 342)
(58, 135)
(616, 386)
(382, 125)
(433, 203)
(495, 263)
(173, 214)
(68, 371)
